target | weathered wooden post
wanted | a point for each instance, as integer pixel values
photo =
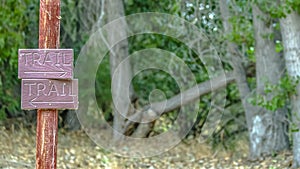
(47, 83)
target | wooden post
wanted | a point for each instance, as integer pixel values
(47, 119)
(47, 82)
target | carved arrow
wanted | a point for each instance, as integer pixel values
(34, 103)
(62, 72)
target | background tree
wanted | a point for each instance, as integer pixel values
(290, 29)
(119, 52)
(264, 126)
(269, 126)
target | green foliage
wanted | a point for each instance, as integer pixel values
(242, 30)
(14, 22)
(72, 33)
(278, 10)
(103, 87)
(278, 47)
(138, 6)
(148, 80)
(32, 28)
(281, 92)
(251, 53)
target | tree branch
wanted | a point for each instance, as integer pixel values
(182, 98)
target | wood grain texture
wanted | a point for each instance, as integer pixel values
(46, 139)
(45, 64)
(49, 25)
(47, 94)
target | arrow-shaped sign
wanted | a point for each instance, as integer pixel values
(45, 93)
(45, 63)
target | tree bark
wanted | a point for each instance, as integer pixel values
(239, 69)
(266, 129)
(269, 129)
(90, 19)
(290, 30)
(119, 52)
(237, 64)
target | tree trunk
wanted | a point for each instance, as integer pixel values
(119, 52)
(237, 64)
(290, 30)
(89, 16)
(70, 120)
(269, 129)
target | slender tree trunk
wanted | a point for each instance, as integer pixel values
(239, 69)
(119, 52)
(86, 12)
(237, 64)
(290, 30)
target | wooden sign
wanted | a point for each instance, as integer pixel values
(46, 94)
(45, 64)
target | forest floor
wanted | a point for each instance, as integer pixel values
(76, 150)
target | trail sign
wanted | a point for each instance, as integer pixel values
(45, 63)
(47, 82)
(46, 94)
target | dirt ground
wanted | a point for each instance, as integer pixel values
(76, 150)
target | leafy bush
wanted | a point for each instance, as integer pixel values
(14, 21)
